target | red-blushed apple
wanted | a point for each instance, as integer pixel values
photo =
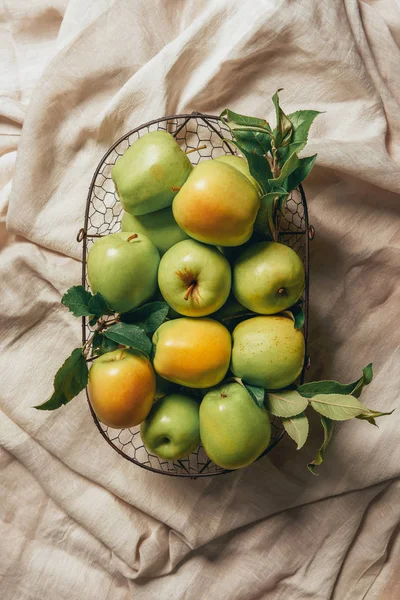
(217, 205)
(192, 352)
(122, 385)
(239, 163)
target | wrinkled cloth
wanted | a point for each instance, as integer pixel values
(76, 520)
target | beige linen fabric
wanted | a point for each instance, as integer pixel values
(77, 521)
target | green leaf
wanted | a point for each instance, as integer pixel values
(233, 119)
(149, 316)
(301, 122)
(371, 415)
(308, 390)
(298, 315)
(253, 142)
(364, 380)
(300, 173)
(266, 218)
(285, 403)
(70, 379)
(337, 407)
(297, 428)
(283, 130)
(129, 335)
(290, 165)
(76, 299)
(101, 344)
(251, 135)
(82, 304)
(327, 425)
(258, 166)
(98, 306)
(257, 394)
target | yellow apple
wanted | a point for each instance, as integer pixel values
(217, 205)
(122, 385)
(192, 352)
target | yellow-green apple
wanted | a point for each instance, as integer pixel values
(122, 384)
(160, 227)
(192, 352)
(268, 278)
(194, 279)
(239, 163)
(172, 429)
(123, 268)
(217, 205)
(147, 175)
(267, 351)
(234, 431)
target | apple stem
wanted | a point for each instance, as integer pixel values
(175, 189)
(92, 358)
(87, 346)
(190, 290)
(281, 291)
(132, 237)
(203, 147)
(105, 324)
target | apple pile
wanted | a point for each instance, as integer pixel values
(196, 305)
(214, 207)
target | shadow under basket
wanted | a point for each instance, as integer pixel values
(206, 136)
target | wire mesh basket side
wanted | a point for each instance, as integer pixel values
(205, 136)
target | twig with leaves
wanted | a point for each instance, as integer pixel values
(272, 155)
(132, 329)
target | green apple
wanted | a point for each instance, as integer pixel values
(160, 227)
(234, 431)
(147, 174)
(238, 163)
(123, 268)
(217, 205)
(268, 278)
(194, 279)
(267, 351)
(172, 429)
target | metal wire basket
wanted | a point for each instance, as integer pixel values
(205, 136)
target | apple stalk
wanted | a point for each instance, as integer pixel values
(102, 325)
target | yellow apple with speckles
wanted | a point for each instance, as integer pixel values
(268, 351)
